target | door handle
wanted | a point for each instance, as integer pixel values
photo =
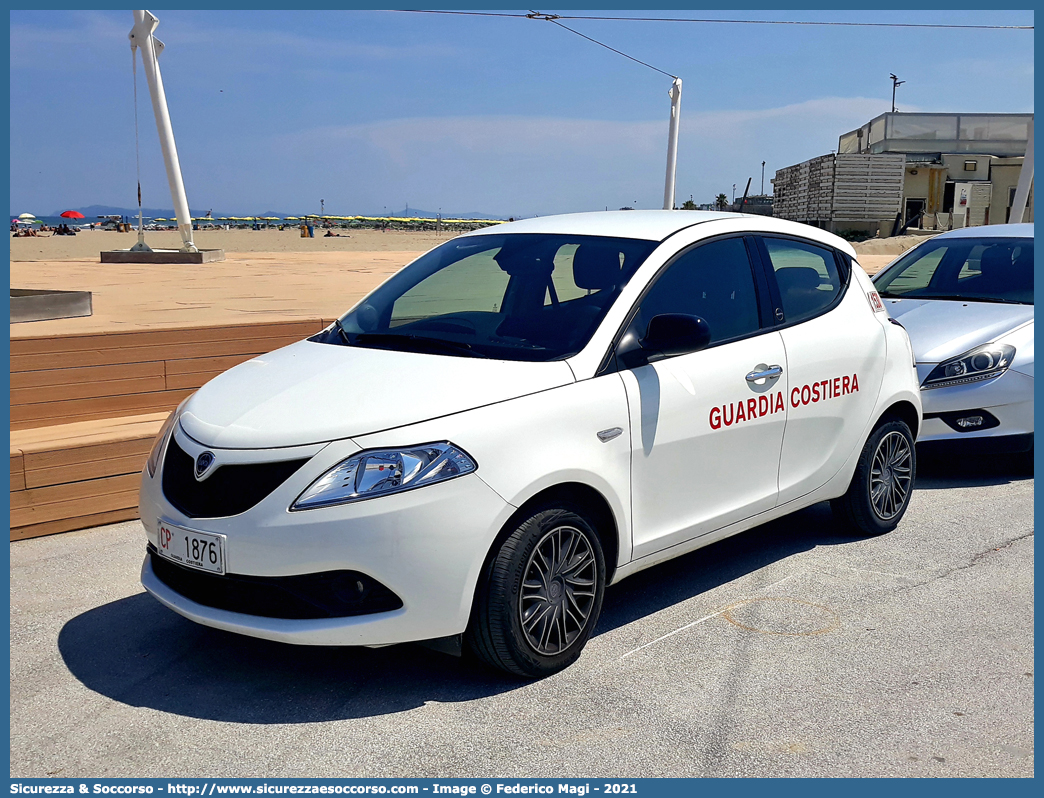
(766, 373)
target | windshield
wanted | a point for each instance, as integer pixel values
(522, 296)
(967, 269)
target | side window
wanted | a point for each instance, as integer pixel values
(712, 280)
(806, 274)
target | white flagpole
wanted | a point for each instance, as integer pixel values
(151, 47)
(672, 145)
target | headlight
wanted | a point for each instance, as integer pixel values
(980, 363)
(161, 440)
(383, 471)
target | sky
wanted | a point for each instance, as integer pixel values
(372, 111)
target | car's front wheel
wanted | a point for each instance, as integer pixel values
(540, 595)
(880, 489)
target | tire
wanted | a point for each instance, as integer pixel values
(540, 595)
(880, 490)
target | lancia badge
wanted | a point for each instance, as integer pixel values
(203, 464)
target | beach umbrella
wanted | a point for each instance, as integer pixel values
(72, 215)
(26, 216)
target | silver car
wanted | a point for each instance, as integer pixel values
(966, 299)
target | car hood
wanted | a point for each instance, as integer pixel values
(311, 392)
(941, 329)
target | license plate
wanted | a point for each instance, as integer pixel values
(202, 550)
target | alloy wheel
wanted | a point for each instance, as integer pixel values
(891, 475)
(558, 590)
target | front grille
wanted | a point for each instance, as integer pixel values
(331, 594)
(230, 490)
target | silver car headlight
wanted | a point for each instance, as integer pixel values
(980, 363)
(381, 472)
(161, 440)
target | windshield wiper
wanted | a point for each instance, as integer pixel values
(343, 332)
(417, 341)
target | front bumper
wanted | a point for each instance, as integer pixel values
(1009, 398)
(427, 546)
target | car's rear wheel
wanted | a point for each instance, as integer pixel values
(880, 490)
(540, 595)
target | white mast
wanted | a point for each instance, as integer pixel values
(151, 47)
(672, 145)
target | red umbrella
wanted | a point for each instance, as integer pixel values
(72, 215)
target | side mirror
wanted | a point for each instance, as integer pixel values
(667, 334)
(676, 334)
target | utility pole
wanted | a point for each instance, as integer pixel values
(896, 83)
(733, 193)
(763, 178)
(151, 48)
(672, 144)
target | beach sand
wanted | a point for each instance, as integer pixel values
(877, 253)
(243, 289)
(268, 275)
(88, 245)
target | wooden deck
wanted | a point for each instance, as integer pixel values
(88, 395)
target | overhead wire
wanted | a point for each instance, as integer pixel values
(555, 19)
(827, 23)
(607, 47)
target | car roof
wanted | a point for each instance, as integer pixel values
(991, 231)
(656, 225)
(648, 225)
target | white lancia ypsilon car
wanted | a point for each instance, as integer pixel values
(523, 416)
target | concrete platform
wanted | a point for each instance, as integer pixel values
(162, 256)
(36, 304)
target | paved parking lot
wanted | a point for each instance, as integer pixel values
(787, 650)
